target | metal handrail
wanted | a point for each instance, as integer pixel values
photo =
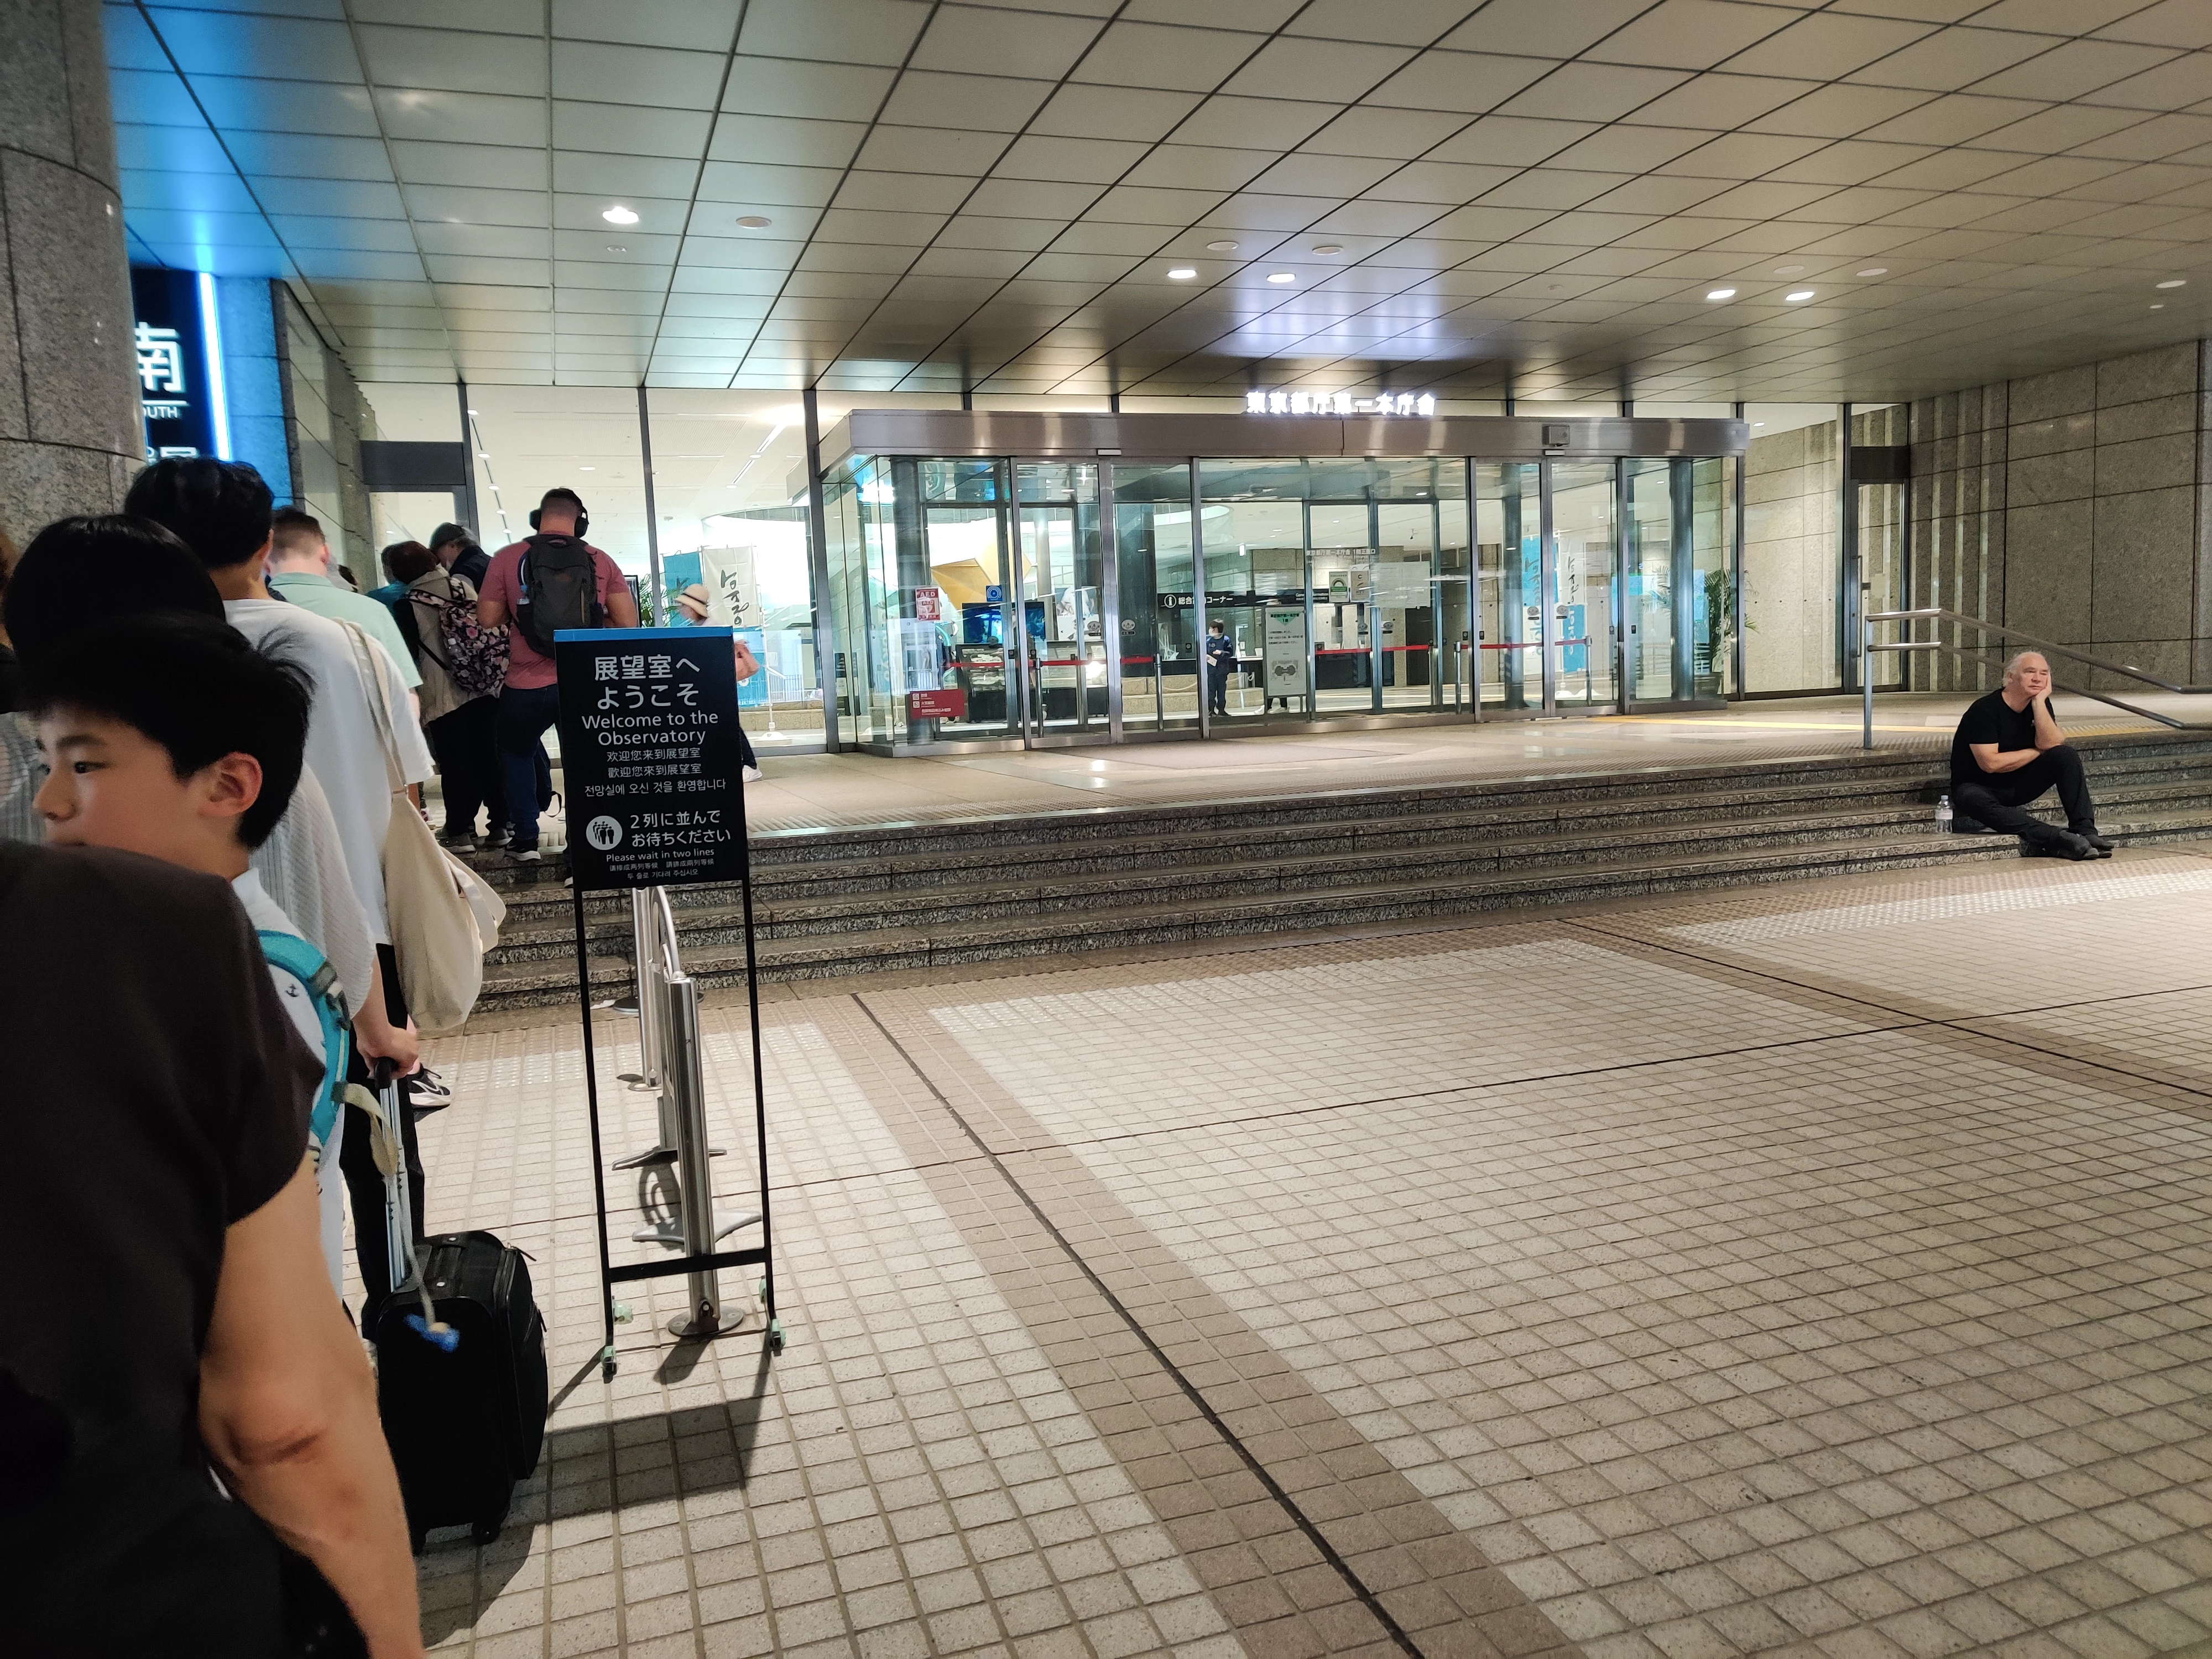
(1869, 648)
(2048, 646)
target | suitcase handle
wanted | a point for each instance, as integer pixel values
(405, 1272)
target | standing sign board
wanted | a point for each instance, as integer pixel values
(649, 749)
(1284, 646)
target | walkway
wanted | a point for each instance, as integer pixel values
(1825, 1270)
(808, 791)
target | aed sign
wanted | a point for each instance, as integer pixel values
(1420, 405)
(649, 751)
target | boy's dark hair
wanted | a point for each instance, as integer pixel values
(220, 508)
(449, 532)
(407, 560)
(79, 573)
(193, 686)
(291, 530)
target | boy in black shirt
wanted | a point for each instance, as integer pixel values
(2009, 751)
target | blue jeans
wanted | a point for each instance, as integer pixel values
(525, 714)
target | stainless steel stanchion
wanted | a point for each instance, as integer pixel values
(646, 951)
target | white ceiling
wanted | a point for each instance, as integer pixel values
(1523, 196)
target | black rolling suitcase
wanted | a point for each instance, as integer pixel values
(460, 1367)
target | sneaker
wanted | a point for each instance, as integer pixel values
(2095, 840)
(462, 842)
(427, 1093)
(499, 836)
(749, 774)
(525, 856)
(2067, 846)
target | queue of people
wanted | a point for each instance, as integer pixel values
(191, 701)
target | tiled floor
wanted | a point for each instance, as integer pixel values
(1826, 1270)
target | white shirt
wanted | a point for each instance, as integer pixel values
(343, 748)
(303, 867)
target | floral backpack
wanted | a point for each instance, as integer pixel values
(473, 656)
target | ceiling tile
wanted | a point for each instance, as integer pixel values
(1327, 70)
(690, 23)
(501, 167)
(1543, 28)
(648, 77)
(1173, 59)
(292, 48)
(975, 41)
(622, 130)
(1593, 92)
(828, 92)
(262, 106)
(448, 61)
(1129, 115)
(462, 118)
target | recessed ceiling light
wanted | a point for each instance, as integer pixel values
(473, 411)
(1795, 294)
(1720, 293)
(2175, 282)
(1759, 423)
(1221, 247)
(754, 221)
(587, 468)
(1328, 247)
(1874, 271)
(617, 248)
(1282, 276)
(1789, 270)
(1181, 274)
(619, 215)
(484, 454)
(2160, 305)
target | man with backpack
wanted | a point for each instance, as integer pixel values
(551, 581)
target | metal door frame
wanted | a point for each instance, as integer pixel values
(1084, 736)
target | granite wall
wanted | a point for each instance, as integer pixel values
(2076, 506)
(69, 432)
(325, 419)
(1790, 497)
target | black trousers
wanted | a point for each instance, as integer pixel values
(468, 764)
(1217, 689)
(1999, 800)
(357, 1159)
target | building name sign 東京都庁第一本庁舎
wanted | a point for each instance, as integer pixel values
(1421, 406)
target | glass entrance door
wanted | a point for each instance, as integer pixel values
(1062, 582)
(1580, 654)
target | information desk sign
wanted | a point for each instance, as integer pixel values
(650, 756)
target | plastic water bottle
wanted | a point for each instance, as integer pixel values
(1943, 816)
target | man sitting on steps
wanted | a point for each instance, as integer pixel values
(2009, 751)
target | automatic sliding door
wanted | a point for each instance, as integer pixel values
(1062, 585)
(1153, 550)
(1508, 666)
(1585, 549)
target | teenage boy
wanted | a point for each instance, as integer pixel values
(169, 735)
(595, 596)
(222, 510)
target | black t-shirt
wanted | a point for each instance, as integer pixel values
(154, 1092)
(1989, 720)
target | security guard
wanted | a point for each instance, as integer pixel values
(1220, 663)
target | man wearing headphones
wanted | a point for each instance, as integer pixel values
(546, 582)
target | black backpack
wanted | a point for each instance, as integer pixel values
(558, 585)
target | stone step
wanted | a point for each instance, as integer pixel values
(927, 877)
(1197, 878)
(551, 980)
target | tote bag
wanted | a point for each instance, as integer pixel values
(443, 919)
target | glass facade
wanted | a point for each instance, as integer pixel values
(974, 603)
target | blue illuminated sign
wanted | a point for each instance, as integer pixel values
(178, 340)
